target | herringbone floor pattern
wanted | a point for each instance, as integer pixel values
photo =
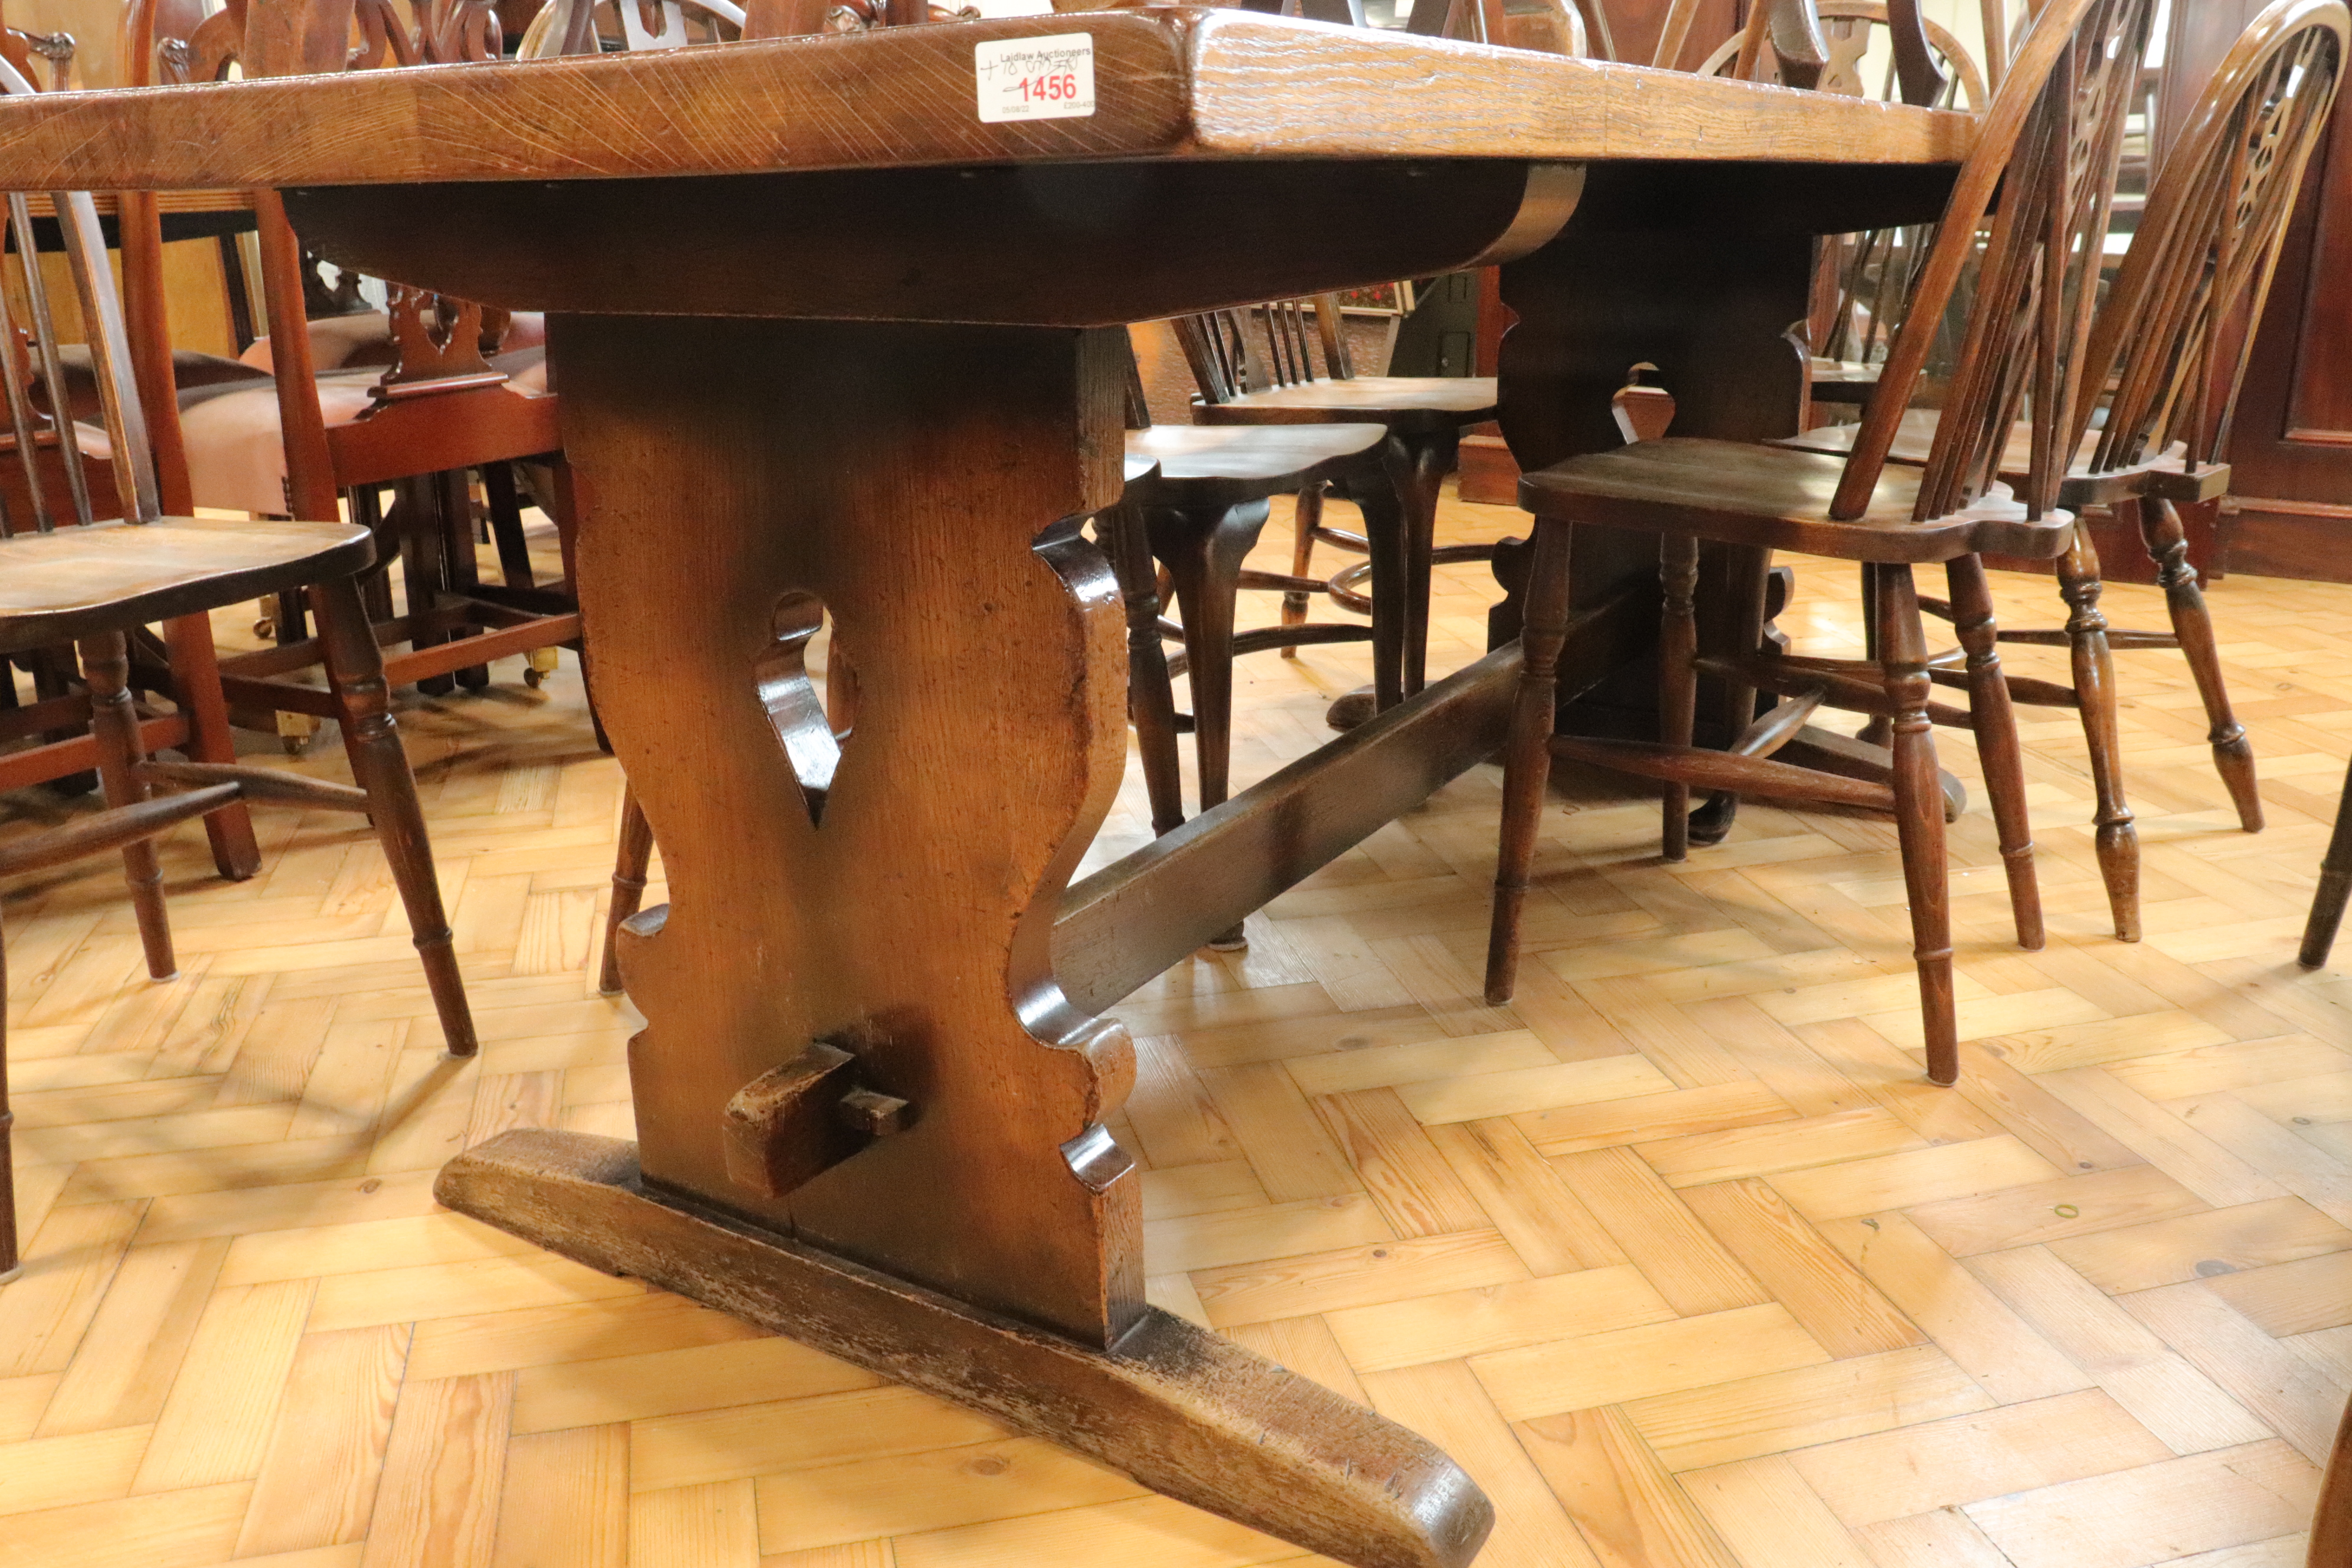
(1678, 1255)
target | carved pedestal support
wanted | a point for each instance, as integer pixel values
(870, 1116)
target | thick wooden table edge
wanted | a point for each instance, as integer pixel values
(1188, 1413)
(1171, 83)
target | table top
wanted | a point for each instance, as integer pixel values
(1171, 83)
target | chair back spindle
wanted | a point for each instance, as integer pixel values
(2051, 145)
(35, 365)
(1218, 345)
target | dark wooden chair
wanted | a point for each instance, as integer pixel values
(1197, 504)
(1287, 363)
(68, 577)
(1867, 278)
(2051, 145)
(2170, 346)
(308, 441)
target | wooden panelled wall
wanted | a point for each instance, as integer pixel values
(2291, 513)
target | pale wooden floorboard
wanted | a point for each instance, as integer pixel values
(1678, 1254)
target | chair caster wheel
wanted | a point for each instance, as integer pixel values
(265, 628)
(532, 677)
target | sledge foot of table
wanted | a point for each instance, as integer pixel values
(1183, 1411)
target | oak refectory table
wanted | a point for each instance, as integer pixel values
(837, 321)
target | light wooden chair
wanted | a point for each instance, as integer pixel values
(2170, 347)
(2051, 145)
(68, 577)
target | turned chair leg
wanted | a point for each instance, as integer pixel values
(1307, 518)
(1204, 555)
(1994, 721)
(1677, 678)
(1417, 466)
(355, 668)
(1527, 754)
(2233, 755)
(1150, 692)
(2094, 690)
(2335, 887)
(1919, 815)
(1746, 579)
(630, 862)
(114, 723)
(506, 525)
(1877, 731)
(195, 680)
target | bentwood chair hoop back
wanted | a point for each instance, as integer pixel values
(2050, 145)
(70, 574)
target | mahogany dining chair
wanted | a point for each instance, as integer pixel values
(437, 402)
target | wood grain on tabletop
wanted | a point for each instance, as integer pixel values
(1168, 82)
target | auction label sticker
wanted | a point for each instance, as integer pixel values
(1035, 79)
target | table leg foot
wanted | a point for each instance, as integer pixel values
(1183, 1411)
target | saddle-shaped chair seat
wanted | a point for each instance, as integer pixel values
(1779, 497)
(1399, 401)
(79, 580)
(1202, 462)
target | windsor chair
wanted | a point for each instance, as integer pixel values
(1867, 278)
(2050, 143)
(2171, 347)
(69, 574)
(1269, 375)
(309, 439)
(183, 663)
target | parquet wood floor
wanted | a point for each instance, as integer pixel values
(1678, 1255)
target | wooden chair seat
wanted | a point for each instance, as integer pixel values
(237, 450)
(1400, 402)
(2166, 475)
(79, 581)
(1844, 379)
(1778, 499)
(1224, 465)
